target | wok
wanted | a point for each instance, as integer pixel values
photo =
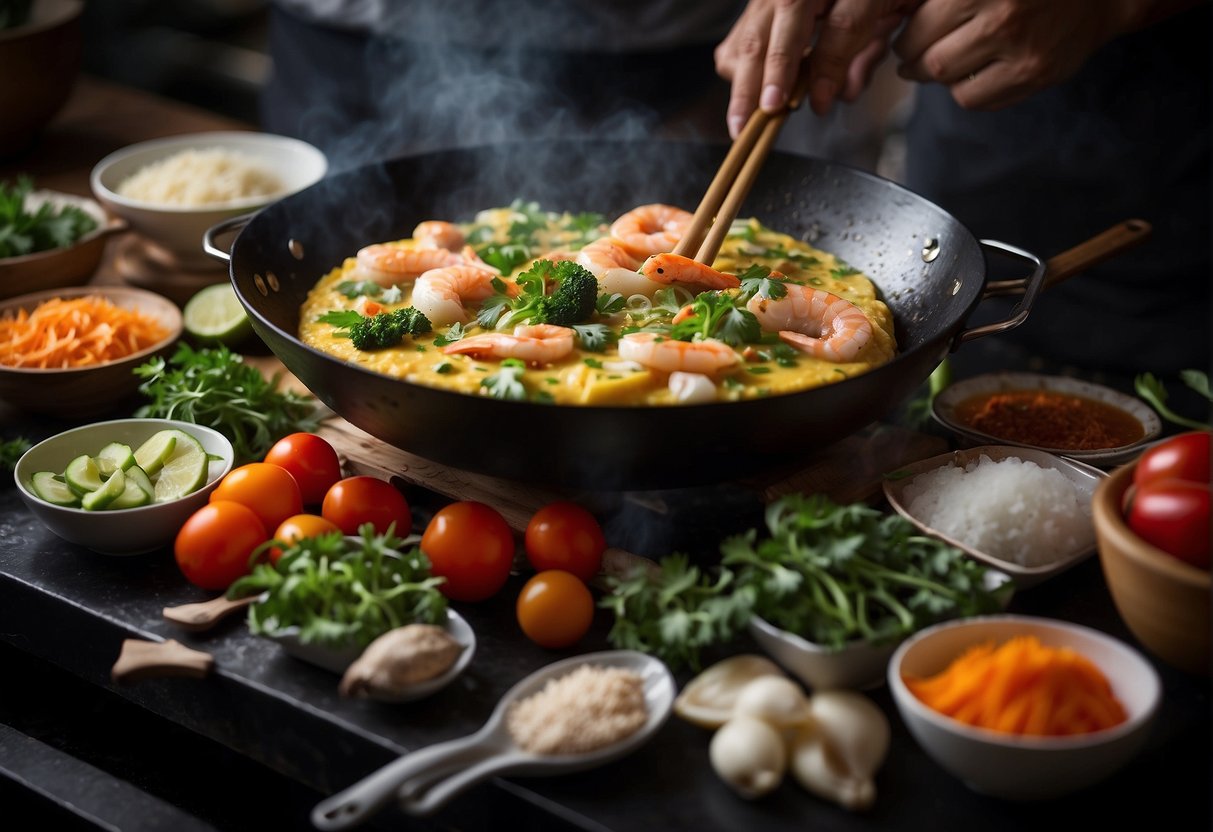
(929, 268)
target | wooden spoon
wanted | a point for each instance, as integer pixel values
(206, 614)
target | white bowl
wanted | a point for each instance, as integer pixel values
(179, 228)
(855, 666)
(130, 531)
(1025, 767)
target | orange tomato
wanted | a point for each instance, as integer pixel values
(563, 535)
(213, 546)
(555, 609)
(357, 500)
(271, 492)
(299, 526)
(470, 545)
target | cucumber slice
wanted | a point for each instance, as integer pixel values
(109, 491)
(151, 455)
(132, 495)
(49, 487)
(82, 475)
(185, 470)
(140, 478)
(116, 453)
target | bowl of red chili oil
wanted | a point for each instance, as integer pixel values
(1065, 416)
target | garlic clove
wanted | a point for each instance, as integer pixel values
(857, 729)
(399, 659)
(776, 700)
(708, 699)
(816, 765)
(749, 756)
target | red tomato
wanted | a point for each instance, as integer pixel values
(470, 545)
(555, 609)
(300, 526)
(311, 460)
(357, 500)
(213, 546)
(1182, 457)
(565, 536)
(1174, 516)
(271, 492)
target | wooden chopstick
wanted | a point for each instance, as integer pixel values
(733, 181)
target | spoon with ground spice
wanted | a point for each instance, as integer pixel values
(569, 716)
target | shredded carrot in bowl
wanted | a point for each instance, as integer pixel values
(76, 332)
(1023, 687)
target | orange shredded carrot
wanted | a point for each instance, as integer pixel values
(78, 332)
(1023, 687)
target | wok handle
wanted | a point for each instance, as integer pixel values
(1115, 240)
(1030, 286)
(224, 227)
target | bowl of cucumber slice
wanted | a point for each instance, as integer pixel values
(123, 487)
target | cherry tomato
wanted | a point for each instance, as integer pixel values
(565, 536)
(300, 526)
(1182, 457)
(1174, 516)
(271, 492)
(555, 609)
(311, 460)
(470, 545)
(357, 500)
(213, 546)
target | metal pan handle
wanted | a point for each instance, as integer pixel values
(1030, 286)
(229, 225)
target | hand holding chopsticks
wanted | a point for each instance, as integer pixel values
(732, 182)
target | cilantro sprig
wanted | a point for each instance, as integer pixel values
(47, 227)
(1154, 391)
(215, 388)
(714, 315)
(340, 592)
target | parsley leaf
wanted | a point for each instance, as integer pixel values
(506, 383)
(594, 337)
(358, 288)
(46, 227)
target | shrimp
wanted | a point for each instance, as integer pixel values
(388, 264)
(440, 294)
(608, 260)
(651, 229)
(438, 234)
(534, 344)
(815, 322)
(661, 353)
(674, 268)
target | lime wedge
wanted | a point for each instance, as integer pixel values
(110, 490)
(132, 495)
(114, 456)
(139, 477)
(184, 471)
(159, 447)
(52, 489)
(82, 475)
(214, 314)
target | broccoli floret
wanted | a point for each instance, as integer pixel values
(575, 298)
(387, 329)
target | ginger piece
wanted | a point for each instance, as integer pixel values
(400, 659)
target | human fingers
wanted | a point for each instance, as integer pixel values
(958, 54)
(994, 87)
(931, 21)
(739, 59)
(791, 33)
(859, 74)
(845, 30)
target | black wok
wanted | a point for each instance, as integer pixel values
(929, 268)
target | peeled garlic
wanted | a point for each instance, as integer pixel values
(399, 659)
(776, 700)
(748, 755)
(838, 755)
(708, 699)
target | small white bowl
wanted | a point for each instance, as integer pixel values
(1017, 767)
(130, 531)
(855, 666)
(180, 228)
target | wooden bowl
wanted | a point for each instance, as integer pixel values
(1164, 601)
(85, 392)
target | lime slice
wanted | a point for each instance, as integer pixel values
(139, 477)
(110, 490)
(82, 475)
(214, 314)
(132, 495)
(184, 471)
(52, 489)
(159, 447)
(114, 456)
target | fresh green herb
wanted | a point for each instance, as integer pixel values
(757, 280)
(610, 304)
(359, 288)
(506, 383)
(843, 270)
(453, 334)
(1155, 392)
(377, 332)
(785, 355)
(215, 388)
(714, 315)
(830, 573)
(340, 592)
(47, 227)
(592, 362)
(505, 258)
(594, 337)
(759, 370)
(444, 368)
(572, 301)
(11, 451)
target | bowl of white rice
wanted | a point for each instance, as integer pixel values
(172, 190)
(1024, 512)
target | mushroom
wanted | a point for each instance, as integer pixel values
(837, 755)
(399, 659)
(776, 700)
(748, 755)
(708, 699)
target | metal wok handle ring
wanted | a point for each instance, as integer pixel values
(1031, 286)
(226, 226)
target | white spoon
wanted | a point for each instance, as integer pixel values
(425, 780)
